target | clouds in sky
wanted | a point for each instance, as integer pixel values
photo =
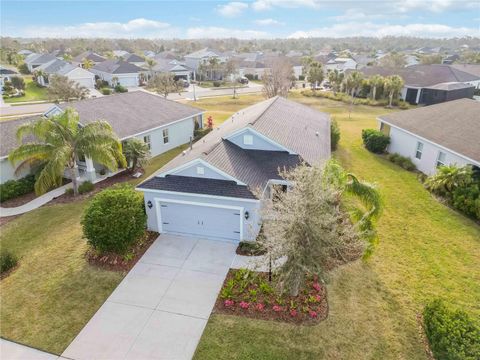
(268, 22)
(232, 9)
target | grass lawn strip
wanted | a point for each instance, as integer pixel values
(33, 92)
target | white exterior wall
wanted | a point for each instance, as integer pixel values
(258, 143)
(127, 80)
(405, 144)
(7, 171)
(82, 77)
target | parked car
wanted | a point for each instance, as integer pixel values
(243, 80)
(184, 83)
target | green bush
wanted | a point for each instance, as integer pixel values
(403, 161)
(339, 96)
(23, 69)
(69, 191)
(120, 88)
(85, 187)
(114, 220)
(452, 334)
(252, 248)
(334, 135)
(375, 141)
(217, 83)
(250, 76)
(199, 133)
(106, 91)
(14, 188)
(467, 200)
(7, 261)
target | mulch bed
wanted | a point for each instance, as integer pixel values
(308, 308)
(245, 252)
(114, 262)
(19, 200)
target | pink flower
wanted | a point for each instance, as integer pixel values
(260, 307)
(317, 286)
(228, 303)
(293, 313)
(313, 314)
(277, 308)
(318, 298)
(244, 305)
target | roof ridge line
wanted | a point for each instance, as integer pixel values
(264, 111)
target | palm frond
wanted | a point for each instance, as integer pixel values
(30, 151)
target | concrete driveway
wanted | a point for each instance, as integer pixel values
(160, 309)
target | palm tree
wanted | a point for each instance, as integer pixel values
(375, 82)
(150, 65)
(335, 78)
(393, 84)
(59, 141)
(448, 178)
(87, 64)
(353, 82)
(213, 63)
(136, 152)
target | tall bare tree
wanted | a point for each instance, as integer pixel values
(164, 83)
(62, 88)
(231, 72)
(277, 79)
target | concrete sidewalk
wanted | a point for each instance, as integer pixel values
(160, 309)
(12, 351)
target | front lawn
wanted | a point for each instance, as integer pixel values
(33, 92)
(53, 293)
(426, 250)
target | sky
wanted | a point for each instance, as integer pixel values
(254, 19)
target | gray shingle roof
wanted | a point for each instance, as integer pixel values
(133, 58)
(423, 75)
(450, 86)
(39, 58)
(117, 67)
(132, 112)
(90, 55)
(198, 186)
(452, 124)
(473, 69)
(8, 131)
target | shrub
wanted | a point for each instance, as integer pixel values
(14, 188)
(217, 83)
(23, 69)
(18, 82)
(114, 220)
(100, 84)
(403, 161)
(467, 200)
(85, 187)
(120, 88)
(69, 191)
(249, 76)
(199, 133)
(301, 77)
(7, 261)
(334, 135)
(251, 248)
(452, 334)
(106, 91)
(375, 141)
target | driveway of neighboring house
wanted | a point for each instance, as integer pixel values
(160, 309)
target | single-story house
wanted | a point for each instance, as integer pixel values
(179, 70)
(215, 189)
(473, 69)
(88, 55)
(120, 53)
(193, 60)
(25, 52)
(441, 134)
(162, 124)
(418, 77)
(60, 67)
(6, 74)
(118, 72)
(134, 59)
(33, 61)
(446, 92)
(341, 64)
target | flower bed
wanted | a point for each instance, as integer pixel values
(250, 294)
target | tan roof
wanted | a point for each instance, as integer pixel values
(454, 125)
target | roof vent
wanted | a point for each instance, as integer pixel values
(316, 133)
(184, 153)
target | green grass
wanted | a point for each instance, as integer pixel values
(33, 92)
(54, 292)
(426, 250)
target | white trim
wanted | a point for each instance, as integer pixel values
(202, 162)
(54, 107)
(194, 203)
(199, 195)
(260, 135)
(159, 127)
(429, 141)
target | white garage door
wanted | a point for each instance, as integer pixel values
(128, 81)
(87, 82)
(200, 220)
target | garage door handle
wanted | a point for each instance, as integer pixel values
(165, 223)
(237, 232)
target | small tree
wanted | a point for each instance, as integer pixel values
(393, 60)
(448, 178)
(210, 122)
(62, 88)
(335, 79)
(150, 65)
(352, 82)
(136, 152)
(87, 64)
(23, 69)
(18, 82)
(393, 85)
(114, 220)
(231, 71)
(164, 83)
(375, 82)
(375, 141)
(277, 79)
(315, 74)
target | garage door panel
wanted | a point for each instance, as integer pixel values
(200, 220)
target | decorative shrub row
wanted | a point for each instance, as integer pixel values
(452, 334)
(402, 161)
(119, 88)
(340, 96)
(114, 220)
(106, 91)
(375, 141)
(14, 188)
(7, 261)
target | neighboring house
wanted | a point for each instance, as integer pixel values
(194, 59)
(450, 59)
(341, 64)
(419, 77)
(88, 55)
(363, 60)
(411, 60)
(33, 61)
(25, 52)
(149, 53)
(134, 59)
(6, 75)
(215, 188)
(120, 53)
(60, 67)
(446, 92)
(441, 134)
(162, 124)
(118, 72)
(179, 70)
(472, 69)
(255, 68)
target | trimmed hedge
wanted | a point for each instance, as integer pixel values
(106, 91)
(402, 161)
(14, 188)
(452, 334)
(334, 135)
(114, 220)
(85, 187)
(120, 88)
(375, 141)
(7, 261)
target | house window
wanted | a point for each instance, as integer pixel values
(165, 136)
(146, 140)
(418, 153)
(247, 139)
(200, 170)
(441, 159)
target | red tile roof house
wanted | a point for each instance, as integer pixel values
(215, 189)
(162, 124)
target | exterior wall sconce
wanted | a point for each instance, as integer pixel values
(149, 204)
(246, 215)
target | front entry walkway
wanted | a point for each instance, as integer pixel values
(160, 309)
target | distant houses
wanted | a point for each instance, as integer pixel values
(60, 67)
(90, 56)
(116, 72)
